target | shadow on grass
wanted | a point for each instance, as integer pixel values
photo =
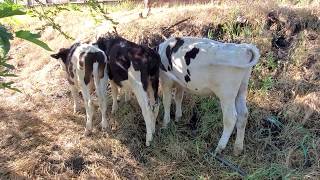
(21, 135)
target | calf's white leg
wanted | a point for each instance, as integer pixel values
(127, 95)
(178, 100)
(147, 113)
(242, 116)
(114, 92)
(229, 121)
(88, 105)
(100, 84)
(166, 85)
(166, 105)
(75, 96)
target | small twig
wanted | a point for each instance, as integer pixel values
(115, 30)
(179, 22)
(288, 163)
(226, 162)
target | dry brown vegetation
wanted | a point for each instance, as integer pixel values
(42, 138)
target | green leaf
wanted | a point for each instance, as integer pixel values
(4, 85)
(8, 9)
(6, 73)
(27, 35)
(5, 36)
(9, 66)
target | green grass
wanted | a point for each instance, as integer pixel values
(272, 64)
(267, 83)
(273, 171)
(126, 5)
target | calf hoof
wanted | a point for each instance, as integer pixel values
(105, 128)
(76, 111)
(164, 126)
(218, 150)
(114, 110)
(127, 98)
(87, 132)
(237, 150)
(178, 118)
(147, 143)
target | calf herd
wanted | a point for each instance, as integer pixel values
(197, 65)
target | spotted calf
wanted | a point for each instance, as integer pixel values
(84, 65)
(134, 67)
(203, 66)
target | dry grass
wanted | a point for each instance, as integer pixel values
(42, 138)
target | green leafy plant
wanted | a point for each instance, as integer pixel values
(47, 15)
(96, 8)
(271, 62)
(9, 9)
(267, 83)
(273, 171)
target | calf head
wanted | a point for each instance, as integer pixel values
(65, 55)
(62, 55)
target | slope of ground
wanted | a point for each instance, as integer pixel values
(41, 137)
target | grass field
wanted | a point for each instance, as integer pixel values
(42, 138)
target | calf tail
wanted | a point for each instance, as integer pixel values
(95, 73)
(100, 68)
(255, 55)
(251, 58)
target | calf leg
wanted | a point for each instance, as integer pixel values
(166, 105)
(178, 100)
(101, 90)
(127, 95)
(91, 87)
(88, 105)
(75, 95)
(242, 116)
(114, 93)
(146, 111)
(229, 121)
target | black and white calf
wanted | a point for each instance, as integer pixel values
(136, 68)
(86, 64)
(203, 66)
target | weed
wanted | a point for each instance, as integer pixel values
(299, 51)
(126, 5)
(211, 117)
(267, 83)
(273, 171)
(272, 64)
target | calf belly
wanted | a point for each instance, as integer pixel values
(205, 80)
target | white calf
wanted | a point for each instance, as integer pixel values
(203, 66)
(84, 65)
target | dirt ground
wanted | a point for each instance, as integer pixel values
(42, 138)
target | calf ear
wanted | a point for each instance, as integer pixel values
(56, 56)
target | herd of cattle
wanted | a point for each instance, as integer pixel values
(197, 65)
